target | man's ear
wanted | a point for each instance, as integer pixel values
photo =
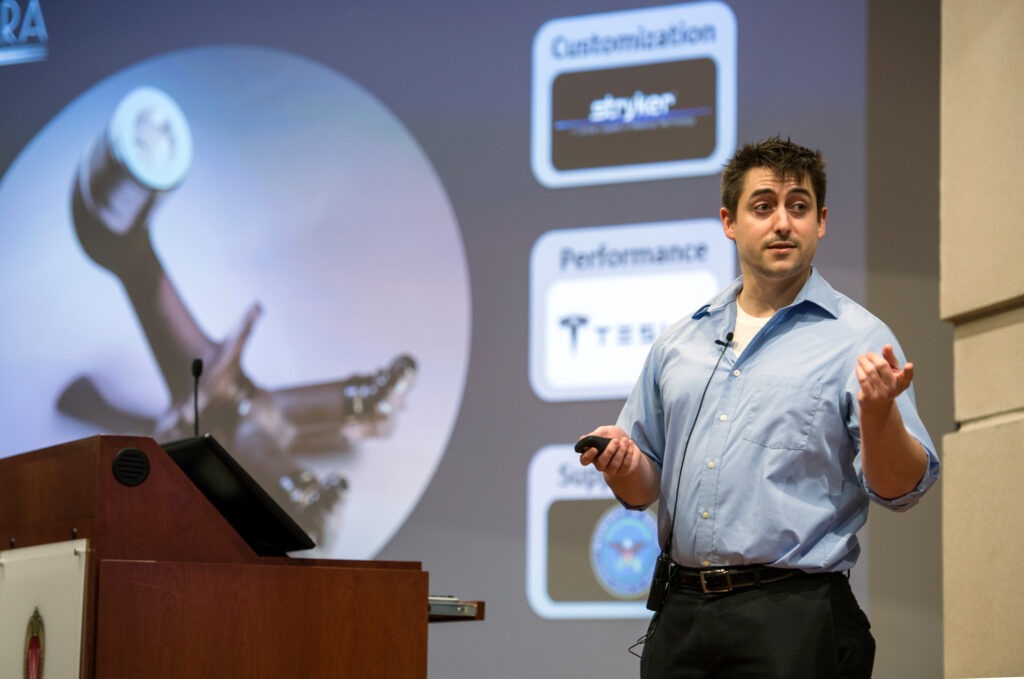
(729, 225)
(821, 222)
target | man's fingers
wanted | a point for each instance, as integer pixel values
(906, 377)
(868, 366)
(614, 460)
(601, 459)
(880, 376)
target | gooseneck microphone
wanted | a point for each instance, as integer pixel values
(197, 370)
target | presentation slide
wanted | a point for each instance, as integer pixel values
(399, 257)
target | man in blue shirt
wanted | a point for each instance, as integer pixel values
(765, 423)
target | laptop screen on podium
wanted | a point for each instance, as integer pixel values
(261, 521)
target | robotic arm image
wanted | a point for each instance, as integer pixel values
(143, 155)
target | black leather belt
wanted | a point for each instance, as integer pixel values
(726, 579)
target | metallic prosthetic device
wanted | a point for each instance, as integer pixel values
(143, 155)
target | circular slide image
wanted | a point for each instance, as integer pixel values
(247, 238)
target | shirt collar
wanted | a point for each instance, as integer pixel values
(816, 291)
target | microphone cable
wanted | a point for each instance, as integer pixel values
(663, 566)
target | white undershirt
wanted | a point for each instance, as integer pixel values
(746, 327)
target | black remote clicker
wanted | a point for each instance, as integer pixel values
(592, 441)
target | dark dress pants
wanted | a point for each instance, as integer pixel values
(805, 627)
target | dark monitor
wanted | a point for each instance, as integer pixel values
(261, 522)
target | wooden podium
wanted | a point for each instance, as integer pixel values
(172, 590)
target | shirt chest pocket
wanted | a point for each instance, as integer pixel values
(779, 412)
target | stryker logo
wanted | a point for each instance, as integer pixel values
(640, 105)
(23, 36)
(661, 122)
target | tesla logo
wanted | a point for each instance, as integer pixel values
(606, 335)
(573, 324)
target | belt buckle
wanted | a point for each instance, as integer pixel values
(717, 572)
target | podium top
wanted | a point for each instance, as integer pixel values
(79, 489)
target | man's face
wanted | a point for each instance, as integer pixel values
(776, 227)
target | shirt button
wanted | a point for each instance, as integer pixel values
(711, 465)
(705, 514)
(723, 417)
(736, 373)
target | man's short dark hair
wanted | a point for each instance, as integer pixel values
(783, 158)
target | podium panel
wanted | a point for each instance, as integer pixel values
(174, 620)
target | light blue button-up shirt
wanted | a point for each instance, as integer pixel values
(772, 469)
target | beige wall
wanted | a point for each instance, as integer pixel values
(982, 295)
(904, 550)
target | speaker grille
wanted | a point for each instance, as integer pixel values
(131, 466)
